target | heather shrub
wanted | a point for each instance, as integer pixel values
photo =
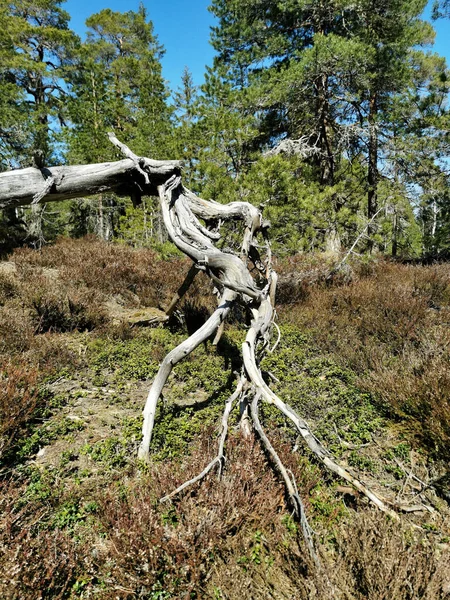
(56, 308)
(297, 274)
(232, 538)
(135, 276)
(173, 548)
(391, 329)
(35, 563)
(109, 268)
(380, 560)
(8, 287)
(19, 401)
(16, 328)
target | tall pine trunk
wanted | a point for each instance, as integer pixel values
(372, 173)
(327, 161)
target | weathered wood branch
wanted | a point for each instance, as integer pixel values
(174, 357)
(24, 186)
(220, 458)
(296, 501)
(186, 218)
(256, 333)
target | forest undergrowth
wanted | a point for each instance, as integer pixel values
(363, 358)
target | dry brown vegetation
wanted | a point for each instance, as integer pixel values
(139, 276)
(231, 540)
(391, 325)
(87, 523)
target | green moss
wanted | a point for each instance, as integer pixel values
(402, 451)
(175, 429)
(322, 392)
(73, 512)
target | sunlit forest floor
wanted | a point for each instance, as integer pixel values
(364, 358)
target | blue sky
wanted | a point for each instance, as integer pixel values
(183, 28)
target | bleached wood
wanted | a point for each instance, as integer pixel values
(174, 357)
(259, 327)
(186, 232)
(220, 458)
(183, 213)
(294, 496)
(21, 187)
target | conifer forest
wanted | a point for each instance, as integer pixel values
(225, 308)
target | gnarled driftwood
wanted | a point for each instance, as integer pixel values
(187, 219)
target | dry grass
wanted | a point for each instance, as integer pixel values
(392, 329)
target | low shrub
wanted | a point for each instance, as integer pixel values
(16, 329)
(54, 308)
(137, 275)
(36, 563)
(221, 539)
(391, 328)
(19, 401)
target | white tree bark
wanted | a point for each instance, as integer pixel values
(30, 186)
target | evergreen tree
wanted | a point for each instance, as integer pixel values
(117, 86)
(42, 47)
(38, 48)
(186, 136)
(441, 9)
(329, 76)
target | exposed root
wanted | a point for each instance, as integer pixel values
(257, 332)
(186, 218)
(220, 458)
(294, 497)
(324, 456)
(171, 359)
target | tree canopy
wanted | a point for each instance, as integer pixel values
(332, 115)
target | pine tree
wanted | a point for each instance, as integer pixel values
(186, 139)
(441, 9)
(43, 50)
(328, 76)
(117, 86)
(39, 50)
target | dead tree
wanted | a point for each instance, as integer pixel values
(191, 223)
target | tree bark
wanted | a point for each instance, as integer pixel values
(372, 174)
(124, 177)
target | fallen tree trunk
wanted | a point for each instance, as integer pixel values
(187, 219)
(124, 178)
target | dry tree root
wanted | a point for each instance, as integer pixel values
(220, 458)
(186, 218)
(193, 225)
(289, 481)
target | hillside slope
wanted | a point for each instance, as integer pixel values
(364, 360)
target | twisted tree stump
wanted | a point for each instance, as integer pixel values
(189, 221)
